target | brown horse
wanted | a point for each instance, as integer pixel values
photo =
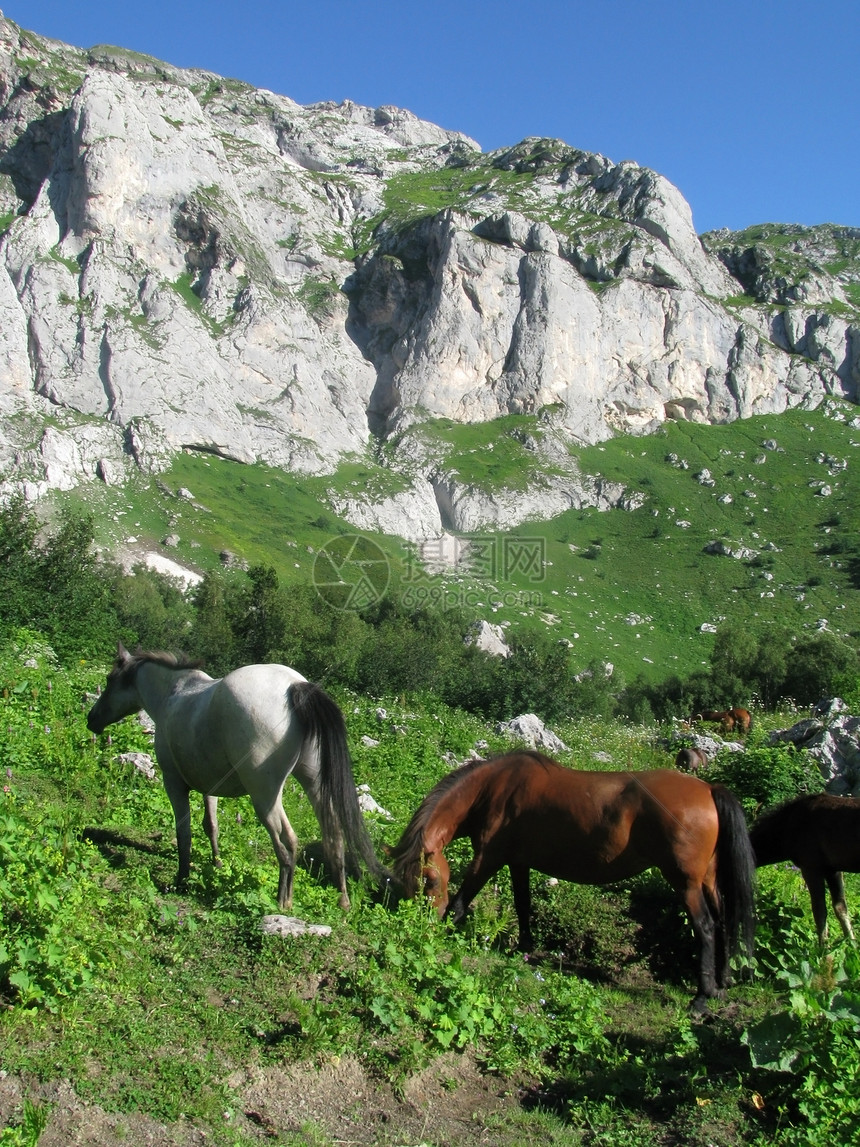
(820, 833)
(729, 719)
(741, 719)
(526, 811)
(690, 759)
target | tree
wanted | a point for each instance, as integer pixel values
(733, 661)
(152, 609)
(818, 665)
(211, 634)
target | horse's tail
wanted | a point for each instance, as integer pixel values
(735, 872)
(322, 722)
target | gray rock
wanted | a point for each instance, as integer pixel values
(142, 762)
(832, 738)
(287, 926)
(177, 274)
(491, 638)
(531, 730)
(367, 803)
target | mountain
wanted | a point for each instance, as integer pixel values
(190, 263)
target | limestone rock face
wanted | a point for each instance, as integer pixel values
(187, 262)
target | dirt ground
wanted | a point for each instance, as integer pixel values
(451, 1102)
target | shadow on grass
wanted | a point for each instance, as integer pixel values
(691, 1093)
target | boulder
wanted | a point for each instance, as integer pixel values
(291, 926)
(531, 731)
(490, 638)
(832, 738)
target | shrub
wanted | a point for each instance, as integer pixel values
(764, 775)
(54, 932)
(809, 1052)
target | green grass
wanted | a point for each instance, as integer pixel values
(183, 998)
(633, 587)
(492, 456)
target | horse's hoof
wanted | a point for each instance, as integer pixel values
(700, 1006)
(217, 863)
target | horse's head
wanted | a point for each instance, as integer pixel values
(421, 872)
(119, 698)
(435, 875)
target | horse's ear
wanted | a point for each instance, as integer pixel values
(122, 654)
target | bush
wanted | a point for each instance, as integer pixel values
(809, 1053)
(54, 583)
(764, 775)
(55, 931)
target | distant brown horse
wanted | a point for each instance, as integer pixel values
(742, 719)
(690, 759)
(820, 833)
(526, 811)
(728, 719)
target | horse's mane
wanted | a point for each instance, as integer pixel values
(406, 854)
(159, 657)
(778, 812)
(773, 832)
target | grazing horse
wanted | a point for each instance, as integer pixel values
(820, 833)
(691, 759)
(728, 719)
(526, 811)
(741, 719)
(244, 733)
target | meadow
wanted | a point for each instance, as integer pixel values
(637, 588)
(133, 1014)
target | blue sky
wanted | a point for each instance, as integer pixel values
(751, 108)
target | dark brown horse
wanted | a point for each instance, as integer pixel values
(526, 811)
(690, 759)
(820, 833)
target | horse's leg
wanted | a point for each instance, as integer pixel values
(210, 825)
(475, 877)
(177, 793)
(284, 841)
(836, 884)
(815, 883)
(722, 953)
(704, 928)
(523, 905)
(335, 851)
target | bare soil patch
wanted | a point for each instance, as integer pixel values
(451, 1102)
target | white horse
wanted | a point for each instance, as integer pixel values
(244, 733)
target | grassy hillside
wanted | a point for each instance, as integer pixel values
(631, 587)
(129, 1013)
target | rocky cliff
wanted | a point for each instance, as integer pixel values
(189, 262)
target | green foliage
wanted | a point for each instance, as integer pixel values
(818, 666)
(764, 775)
(27, 1130)
(785, 934)
(53, 582)
(50, 946)
(431, 989)
(771, 665)
(809, 1052)
(152, 609)
(318, 295)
